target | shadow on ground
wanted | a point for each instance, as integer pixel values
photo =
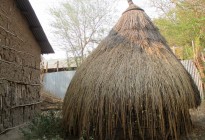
(198, 119)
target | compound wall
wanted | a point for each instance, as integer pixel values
(19, 68)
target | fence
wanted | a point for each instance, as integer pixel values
(191, 68)
(57, 83)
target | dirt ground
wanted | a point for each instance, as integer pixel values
(14, 134)
(198, 119)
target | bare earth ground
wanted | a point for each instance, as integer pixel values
(198, 119)
(14, 134)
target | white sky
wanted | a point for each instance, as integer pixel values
(41, 8)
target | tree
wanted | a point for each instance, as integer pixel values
(80, 24)
(183, 26)
(182, 23)
(162, 6)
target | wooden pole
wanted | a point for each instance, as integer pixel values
(193, 46)
(46, 67)
(57, 65)
(202, 55)
(198, 60)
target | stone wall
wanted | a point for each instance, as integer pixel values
(19, 68)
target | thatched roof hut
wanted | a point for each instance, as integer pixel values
(132, 86)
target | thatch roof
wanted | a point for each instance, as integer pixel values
(132, 86)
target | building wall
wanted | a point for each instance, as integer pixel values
(19, 68)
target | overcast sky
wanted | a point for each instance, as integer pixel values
(41, 8)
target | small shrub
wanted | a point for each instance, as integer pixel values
(45, 126)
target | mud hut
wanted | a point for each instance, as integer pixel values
(131, 87)
(22, 41)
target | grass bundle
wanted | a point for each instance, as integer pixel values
(131, 87)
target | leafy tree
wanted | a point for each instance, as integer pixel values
(80, 24)
(183, 24)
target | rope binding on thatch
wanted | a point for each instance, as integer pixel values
(135, 8)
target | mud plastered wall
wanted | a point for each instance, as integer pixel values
(19, 68)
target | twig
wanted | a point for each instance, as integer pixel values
(4, 15)
(20, 82)
(52, 108)
(12, 128)
(1, 99)
(3, 10)
(18, 64)
(6, 47)
(26, 105)
(7, 30)
(11, 33)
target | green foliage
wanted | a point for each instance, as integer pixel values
(183, 24)
(46, 126)
(188, 52)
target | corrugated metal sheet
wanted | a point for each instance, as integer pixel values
(35, 26)
(57, 83)
(191, 68)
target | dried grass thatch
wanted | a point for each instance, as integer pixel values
(50, 102)
(131, 86)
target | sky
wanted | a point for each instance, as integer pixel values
(41, 8)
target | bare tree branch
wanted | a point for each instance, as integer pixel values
(80, 23)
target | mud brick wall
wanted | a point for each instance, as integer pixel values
(19, 68)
